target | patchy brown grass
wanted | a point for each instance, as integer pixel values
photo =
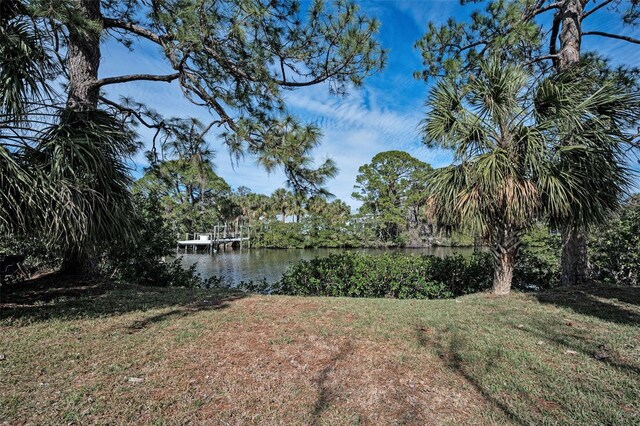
(97, 353)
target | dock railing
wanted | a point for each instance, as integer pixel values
(220, 236)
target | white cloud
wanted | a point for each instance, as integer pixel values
(356, 128)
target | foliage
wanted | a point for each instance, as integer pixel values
(454, 238)
(354, 274)
(238, 57)
(84, 158)
(147, 260)
(392, 190)
(546, 37)
(615, 254)
(62, 158)
(25, 62)
(511, 170)
(39, 256)
(275, 234)
(69, 185)
(519, 30)
(311, 232)
(192, 195)
(63, 172)
(537, 264)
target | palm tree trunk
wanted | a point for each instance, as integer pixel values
(503, 273)
(77, 261)
(575, 261)
(504, 253)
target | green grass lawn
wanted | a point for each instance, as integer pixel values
(93, 353)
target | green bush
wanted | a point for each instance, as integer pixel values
(39, 258)
(310, 232)
(354, 274)
(144, 261)
(538, 261)
(615, 249)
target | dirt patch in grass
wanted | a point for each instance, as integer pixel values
(313, 379)
(121, 355)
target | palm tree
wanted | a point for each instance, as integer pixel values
(510, 170)
(258, 206)
(281, 200)
(62, 172)
(83, 157)
(298, 204)
(25, 65)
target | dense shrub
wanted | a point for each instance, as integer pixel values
(310, 232)
(39, 257)
(356, 274)
(148, 260)
(615, 249)
(538, 261)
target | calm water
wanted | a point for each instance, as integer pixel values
(254, 265)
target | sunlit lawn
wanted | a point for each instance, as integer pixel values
(132, 355)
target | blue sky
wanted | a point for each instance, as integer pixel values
(382, 115)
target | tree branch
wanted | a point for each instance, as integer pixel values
(600, 6)
(211, 102)
(616, 36)
(135, 29)
(543, 58)
(133, 112)
(137, 77)
(555, 29)
(541, 10)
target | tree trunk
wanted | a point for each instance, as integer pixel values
(504, 252)
(77, 261)
(83, 60)
(503, 273)
(575, 266)
(571, 33)
(575, 262)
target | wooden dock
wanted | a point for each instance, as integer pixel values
(212, 241)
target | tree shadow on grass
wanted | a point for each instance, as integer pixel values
(326, 394)
(554, 345)
(450, 353)
(576, 341)
(75, 297)
(615, 304)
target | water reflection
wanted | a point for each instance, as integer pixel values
(270, 264)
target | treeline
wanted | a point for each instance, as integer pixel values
(392, 189)
(615, 258)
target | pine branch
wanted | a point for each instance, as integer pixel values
(210, 101)
(543, 58)
(137, 77)
(541, 10)
(616, 36)
(137, 30)
(596, 8)
(130, 111)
